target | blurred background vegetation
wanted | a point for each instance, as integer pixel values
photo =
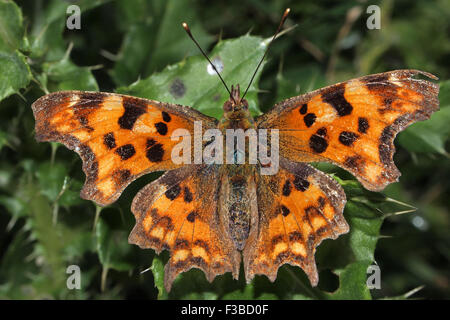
(126, 46)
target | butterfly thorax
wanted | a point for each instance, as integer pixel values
(235, 112)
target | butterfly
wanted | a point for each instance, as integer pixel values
(212, 216)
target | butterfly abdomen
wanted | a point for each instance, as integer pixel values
(235, 201)
(239, 218)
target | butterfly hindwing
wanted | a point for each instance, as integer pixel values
(353, 124)
(118, 137)
(179, 212)
(297, 209)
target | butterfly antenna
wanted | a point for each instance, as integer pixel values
(285, 14)
(188, 31)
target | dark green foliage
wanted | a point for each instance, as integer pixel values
(138, 47)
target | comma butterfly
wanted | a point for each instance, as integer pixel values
(211, 215)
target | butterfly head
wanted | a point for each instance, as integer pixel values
(235, 108)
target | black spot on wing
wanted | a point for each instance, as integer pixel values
(287, 188)
(335, 97)
(155, 151)
(161, 128)
(166, 117)
(285, 211)
(150, 143)
(173, 192)
(363, 125)
(309, 119)
(109, 141)
(191, 216)
(304, 109)
(318, 142)
(126, 151)
(188, 197)
(301, 184)
(322, 132)
(347, 138)
(134, 108)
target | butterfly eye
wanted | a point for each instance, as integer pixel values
(245, 104)
(227, 107)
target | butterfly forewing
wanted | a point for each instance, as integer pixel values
(353, 123)
(119, 138)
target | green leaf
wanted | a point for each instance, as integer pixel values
(154, 37)
(293, 82)
(112, 247)
(158, 274)
(189, 82)
(246, 294)
(51, 179)
(56, 186)
(3, 139)
(13, 272)
(64, 75)
(50, 240)
(15, 73)
(352, 282)
(350, 255)
(47, 31)
(11, 27)
(15, 206)
(70, 196)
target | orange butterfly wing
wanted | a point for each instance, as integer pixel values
(353, 124)
(179, 212)
(297, 209)
(118, 137)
